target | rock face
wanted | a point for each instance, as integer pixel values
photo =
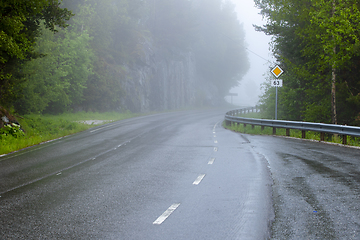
(164, 80)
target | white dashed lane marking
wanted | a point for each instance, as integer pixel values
(198, 180)
(211, 161)
(166, 214)
(173, 207)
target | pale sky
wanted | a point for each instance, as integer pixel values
(257, 42)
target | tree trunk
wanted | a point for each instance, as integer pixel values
(333, 82)
(333, 96)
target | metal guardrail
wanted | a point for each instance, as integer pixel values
(344, 131)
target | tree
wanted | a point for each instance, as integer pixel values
(56, 80)
(116, 37)
(19, 27)
(220, 50)
(316, 41)
(172, 23)
(90, 63)
(336, 24)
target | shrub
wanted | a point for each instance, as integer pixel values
(11, 129)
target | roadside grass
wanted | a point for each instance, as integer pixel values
(256, 130)
(42, 128)
(251, 115)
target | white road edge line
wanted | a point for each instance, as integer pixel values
(166, 214)
(198, 180)
(211, 161)
(100, 128)
(215, 126)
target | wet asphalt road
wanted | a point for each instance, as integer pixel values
(179, 176)
(316, 188)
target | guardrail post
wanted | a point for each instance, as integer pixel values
(322, 137)
(274, 130)
(262, 128)
(344, 139)
(303, 134)
(288, 132)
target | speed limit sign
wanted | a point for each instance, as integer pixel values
(277, 83)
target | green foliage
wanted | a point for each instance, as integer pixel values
(251, 115)
(317, 43)
(104, 90)
(12, 130)
(334, 24)
(57, 79)
(116, 39)
(19, 27)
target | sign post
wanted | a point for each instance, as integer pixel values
(276, 71)
(232, 94)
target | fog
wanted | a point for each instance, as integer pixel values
(258, 50)
(139, 56)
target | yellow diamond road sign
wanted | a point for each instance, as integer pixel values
(277, 71)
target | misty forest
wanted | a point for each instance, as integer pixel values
(117, 55)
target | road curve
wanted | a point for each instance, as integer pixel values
(167, 176)
(179, 175)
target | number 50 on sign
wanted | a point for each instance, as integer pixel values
(277, 83)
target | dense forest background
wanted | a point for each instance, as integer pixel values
(317, 43)
(105, 55)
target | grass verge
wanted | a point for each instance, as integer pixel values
(256, 130)
(42, 128)
(251, 115)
